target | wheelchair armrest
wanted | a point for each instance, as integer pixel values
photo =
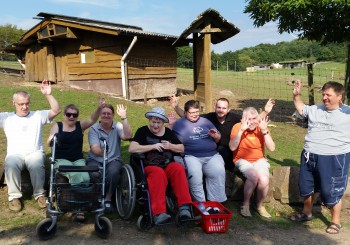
(64, 168)
(138, 155)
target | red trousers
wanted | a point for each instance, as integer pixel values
(157, 180)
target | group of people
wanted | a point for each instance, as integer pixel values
(211, 143)
(24, 128)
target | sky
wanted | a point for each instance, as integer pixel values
(162, 16)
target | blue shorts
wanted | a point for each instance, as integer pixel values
(325, 174)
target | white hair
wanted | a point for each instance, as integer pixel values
(250, 110)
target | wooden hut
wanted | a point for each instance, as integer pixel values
(112, 58)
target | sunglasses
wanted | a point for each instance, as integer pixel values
(68, 114)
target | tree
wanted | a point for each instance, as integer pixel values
(326, 21)
(9, 34)
(184, 57)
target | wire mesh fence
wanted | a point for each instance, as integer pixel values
(254, 88)
(245, 89)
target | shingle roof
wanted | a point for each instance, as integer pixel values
(129, 29)
(217, 21)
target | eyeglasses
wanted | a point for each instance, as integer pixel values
(193, 112)
(22, 104)
(69, 114)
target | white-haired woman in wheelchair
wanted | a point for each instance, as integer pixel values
(159, 144)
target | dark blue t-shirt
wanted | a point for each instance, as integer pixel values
(195, 136)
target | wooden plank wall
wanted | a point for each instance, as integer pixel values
(107, 53)
(61, 64)
(36, 63)
(151, 63)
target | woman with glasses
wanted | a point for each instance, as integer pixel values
(69, 148)
(199, 137)
(70, 133)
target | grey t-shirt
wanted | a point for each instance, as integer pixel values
(112, 138)
(328, 131)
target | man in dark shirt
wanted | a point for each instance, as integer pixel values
(223, 119)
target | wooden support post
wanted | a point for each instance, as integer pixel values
(310, 82)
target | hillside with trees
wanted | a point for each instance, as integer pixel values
(311, 51)
(9, 34)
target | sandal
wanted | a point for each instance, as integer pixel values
(333, 228)
(245, 212)
(301, 217)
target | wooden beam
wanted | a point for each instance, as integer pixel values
(84, 27)
(210, 30)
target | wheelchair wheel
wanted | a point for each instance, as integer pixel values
(106, 227)
(126, 192)
(42, 229)
(143, 223)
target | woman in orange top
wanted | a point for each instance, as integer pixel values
(248, 140)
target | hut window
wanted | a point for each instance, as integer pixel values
(87, 56)
(43, 33)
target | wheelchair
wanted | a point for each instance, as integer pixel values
(141, 196)
(74, 198)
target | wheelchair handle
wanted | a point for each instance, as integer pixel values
(104, 142)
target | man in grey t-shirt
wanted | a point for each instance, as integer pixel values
(113, 133)
(325, 158)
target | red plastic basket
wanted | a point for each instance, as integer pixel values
(213, 223)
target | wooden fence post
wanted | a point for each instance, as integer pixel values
(310, 83)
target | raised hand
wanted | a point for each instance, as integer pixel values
(244, 123)
(101, 102)
(264, 121)
(269, 105)
(173, 100)
(45, 87)
(172, 117)
(297, 87)
(121, 111)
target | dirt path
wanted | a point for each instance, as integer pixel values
(127, 233)
(241, 231)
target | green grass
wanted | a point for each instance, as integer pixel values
(10, 64)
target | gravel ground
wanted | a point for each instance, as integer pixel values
(126, 232)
